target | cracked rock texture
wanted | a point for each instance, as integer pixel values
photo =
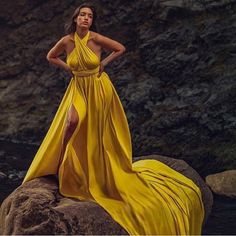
(176, 80)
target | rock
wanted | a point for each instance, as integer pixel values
(16, 175)
(37, 207)
(223, 183)
(2, 176)
(193, 5)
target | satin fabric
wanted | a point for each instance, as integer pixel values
(144, 197)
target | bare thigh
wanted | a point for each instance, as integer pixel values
(71, 123)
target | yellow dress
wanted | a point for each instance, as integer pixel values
(144, 197)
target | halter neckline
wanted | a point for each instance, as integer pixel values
(85, 38)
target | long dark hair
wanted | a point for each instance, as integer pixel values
(70, 27)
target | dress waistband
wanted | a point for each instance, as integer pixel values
(86, 72)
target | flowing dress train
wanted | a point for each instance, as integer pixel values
(144, 197)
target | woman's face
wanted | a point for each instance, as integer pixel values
(85, 18)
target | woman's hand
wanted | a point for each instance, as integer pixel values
(68, 69)
(101, 69)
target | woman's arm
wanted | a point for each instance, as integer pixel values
(55, 52)
(110, 45)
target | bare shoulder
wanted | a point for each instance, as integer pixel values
(106, 42)
(66, 42)
(67, 38)
(63, 41)
(97, 37)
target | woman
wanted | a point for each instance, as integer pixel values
(88, 145)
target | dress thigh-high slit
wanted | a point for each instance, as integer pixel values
(72, 120)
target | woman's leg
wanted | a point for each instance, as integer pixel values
(71, 124)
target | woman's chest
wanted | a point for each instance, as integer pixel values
(93, 46)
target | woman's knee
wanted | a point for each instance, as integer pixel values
(72, 123)
(73, 119)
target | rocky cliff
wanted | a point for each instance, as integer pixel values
(176, 80)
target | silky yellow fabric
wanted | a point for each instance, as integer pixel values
(144, 197)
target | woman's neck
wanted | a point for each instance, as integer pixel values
(81, 32)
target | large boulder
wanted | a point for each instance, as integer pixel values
(223, 183)
(37, 207)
